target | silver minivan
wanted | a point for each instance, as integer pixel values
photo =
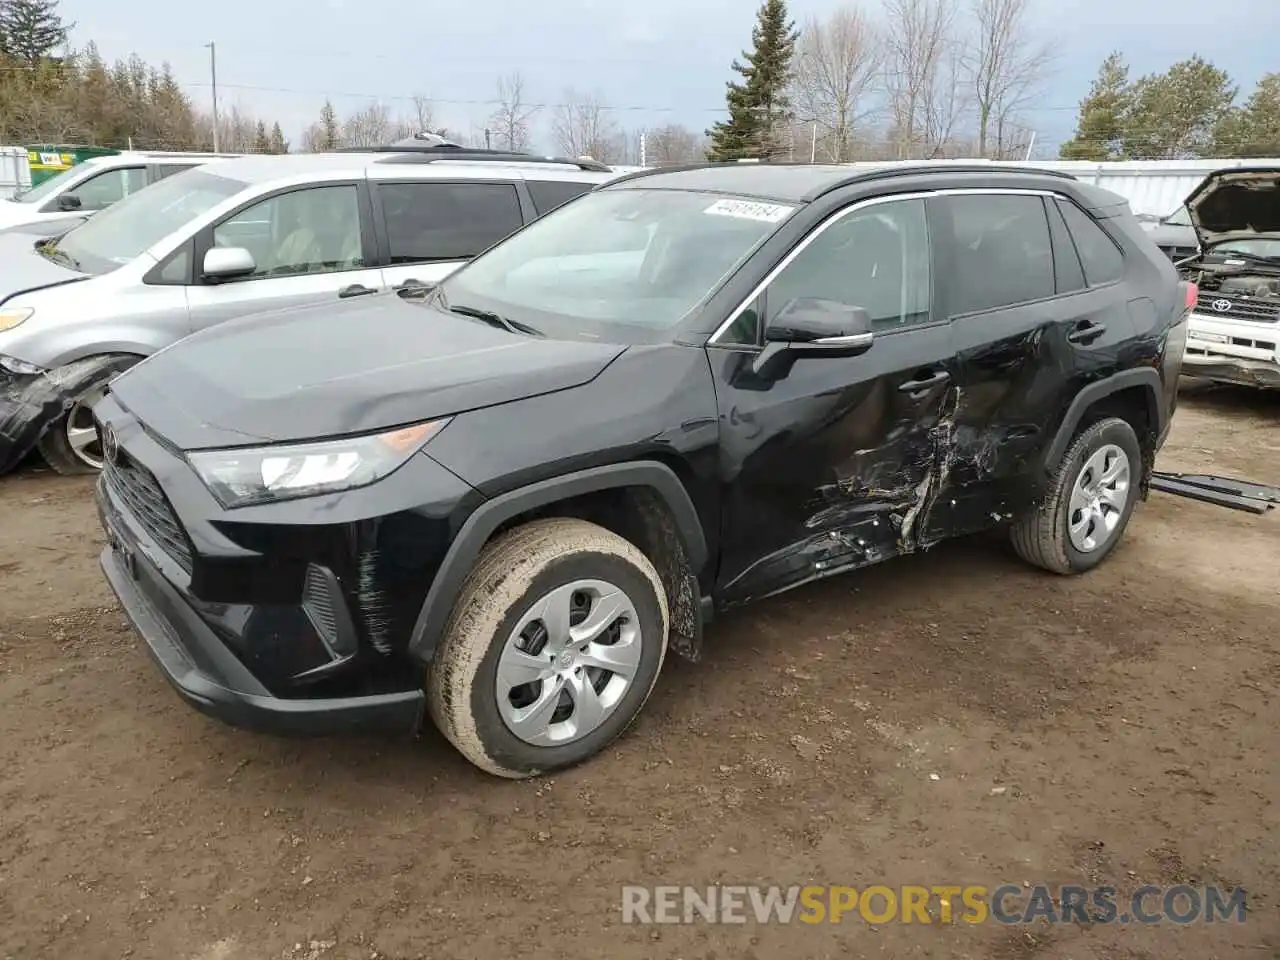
(238, 237)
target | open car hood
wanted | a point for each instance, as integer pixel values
(1235, 203)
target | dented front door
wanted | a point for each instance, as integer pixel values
(835, 464)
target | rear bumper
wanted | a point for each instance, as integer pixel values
(207, 674)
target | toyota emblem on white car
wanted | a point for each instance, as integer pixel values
(1222, 306)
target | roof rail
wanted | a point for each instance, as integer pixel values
(907, 168)
(676, 168)
(430, 154)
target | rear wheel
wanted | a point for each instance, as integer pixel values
(555, 643)
(1092, 495)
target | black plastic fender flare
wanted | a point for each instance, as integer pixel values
(486, 518)
(1147, 377)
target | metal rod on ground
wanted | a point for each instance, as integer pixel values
(213, 82)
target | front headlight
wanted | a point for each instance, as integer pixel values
(11, 317)
(242, 477)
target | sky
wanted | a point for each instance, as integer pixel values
(653, 61)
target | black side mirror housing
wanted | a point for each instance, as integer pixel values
(69, 201)
(811, 327)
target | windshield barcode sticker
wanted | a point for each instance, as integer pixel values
(749, 210)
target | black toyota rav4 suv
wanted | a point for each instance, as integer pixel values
(500, 502)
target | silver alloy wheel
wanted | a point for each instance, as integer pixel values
(1098, 498)
(568, 663)
(81, 432)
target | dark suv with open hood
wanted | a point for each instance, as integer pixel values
(501, 502)
(1234, 333)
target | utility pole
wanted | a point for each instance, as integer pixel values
(213, 79)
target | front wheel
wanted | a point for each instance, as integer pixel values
(71, 446)
(1091, 497)
(555, 643)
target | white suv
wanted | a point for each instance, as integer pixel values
(1234, 334)
(93, 185)
(240, 237)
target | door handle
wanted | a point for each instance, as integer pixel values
(412, 286)
(355, 290)
(920, 386)
(1087, 332)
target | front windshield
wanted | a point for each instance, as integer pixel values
(118, 234)
(1262, 247)
(49, 187)
(1179, 218)
(625, 264)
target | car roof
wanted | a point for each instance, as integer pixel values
(154, 156)
(802, 182)
(263, 168)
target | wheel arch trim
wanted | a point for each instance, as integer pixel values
(1146, 377)
(476, 530)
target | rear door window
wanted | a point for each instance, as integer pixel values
(999, 250)
(447, 221)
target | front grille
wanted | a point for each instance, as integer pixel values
(136, 488)
(1258, 310)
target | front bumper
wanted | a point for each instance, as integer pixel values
(209, 676)
(1233, 351)
(292, 617)
(29, 405)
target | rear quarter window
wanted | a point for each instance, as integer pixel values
(1102, 260)
(549, 194)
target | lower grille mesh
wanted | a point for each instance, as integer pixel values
(140, 494)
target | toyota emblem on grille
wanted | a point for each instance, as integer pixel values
(1222, 306)
(110, 446)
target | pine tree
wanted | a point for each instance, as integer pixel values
(758, 104)
(1254, 129)
(278, 143)
(260, 142)
(1174, 115)
(1100, 128)
(330, 133)
(31, 30)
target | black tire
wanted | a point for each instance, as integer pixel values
(81, 379)
(1042, 538)
(514, 571)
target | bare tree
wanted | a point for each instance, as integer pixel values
(510, 121)
(918, 41)
(582, 127)
(369, 127)
(423, 116)
(1004, 67)
(945, 101)
(672, 144)
(837, 64)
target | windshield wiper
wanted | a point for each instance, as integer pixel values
(495, 319)
(59, 256)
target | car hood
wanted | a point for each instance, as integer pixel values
(342, 368)
(23, 269)
(1235, 203)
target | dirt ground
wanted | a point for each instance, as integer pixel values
(857, 731)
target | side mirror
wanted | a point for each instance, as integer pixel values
(69, 201)
(812, 327)
(227, 263)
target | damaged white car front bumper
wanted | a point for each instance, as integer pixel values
(1232, 350)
